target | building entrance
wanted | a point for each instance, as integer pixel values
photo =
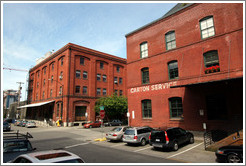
(80, 113)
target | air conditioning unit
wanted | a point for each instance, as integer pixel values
(116, 82)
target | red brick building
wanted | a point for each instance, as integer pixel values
(66, 83)
(186, 68)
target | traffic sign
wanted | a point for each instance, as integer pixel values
(102, 114)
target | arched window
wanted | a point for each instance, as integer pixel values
(144, 50)
(176, 107)
(170, 40)
(145, 75)
(146, 108)
(207, 27)
(173, 70)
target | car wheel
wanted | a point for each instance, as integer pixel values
(175, 146)
(232, 158)
(90, 126)
(143, 142)
(191, 140)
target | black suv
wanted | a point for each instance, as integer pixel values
(230, 154)
(170, 138)
(15, 144)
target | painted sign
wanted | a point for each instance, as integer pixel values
(154, 87)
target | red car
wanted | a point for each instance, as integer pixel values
(92, 124)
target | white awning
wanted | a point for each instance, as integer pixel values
(36, 104)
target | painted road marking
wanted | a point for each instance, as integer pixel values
(142, 149)
(184, 151)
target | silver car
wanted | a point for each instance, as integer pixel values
(116, 133)
(30, 124)
(137, 135)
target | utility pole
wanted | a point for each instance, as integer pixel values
(19, 93)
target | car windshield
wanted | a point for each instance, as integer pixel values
(5, 123)
(129, 132)
(16, 146)
(116, 129)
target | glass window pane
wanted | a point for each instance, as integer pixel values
(210, 22)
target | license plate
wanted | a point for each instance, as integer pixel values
(157, 145)
(157, 140)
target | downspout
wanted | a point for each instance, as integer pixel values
(68, 87)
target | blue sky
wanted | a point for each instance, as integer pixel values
(32, 29)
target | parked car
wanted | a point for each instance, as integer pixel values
(170, 138)
(22, 123)
(15, 144)
(6, 126)
(30, 124)
(230, 154)
(92, 124)
(17, 122)
(51, 156)
(137, 135)
(115, 122)
(116, 134)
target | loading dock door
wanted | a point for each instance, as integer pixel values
(80, 113)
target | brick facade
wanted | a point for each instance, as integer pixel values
(200, 93)
(68, 60)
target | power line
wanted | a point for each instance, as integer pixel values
(6, 68)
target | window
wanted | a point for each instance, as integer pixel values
(216, 107)
(120, 80)
(82, 61)
(38, 74)
(170, 40)
(78, 74)
(116, 92)
(207, 27)
(211, 61)
(146, 109)
(51, 93)
(61, 75)
(52, 66)
(37, 84)
(118, 69)
(62, 61)
(85, 75)
(176, 108)
(145, 75)
(121, 92)
(44, 70)
(144, 50)
(84, 90)
(104, 91)
(173, 70)
(98, 91)
(98, 77)
(77, 89)
(115, 80)
(60, 92)
(101, 65)
(52, 79)
(43, 95)
(104, 78)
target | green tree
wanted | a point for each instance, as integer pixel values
(115, 106)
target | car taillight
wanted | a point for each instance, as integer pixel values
(167, 139)
(150, 136)
(114, 135)
(135, 137)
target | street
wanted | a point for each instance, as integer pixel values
(82, 142)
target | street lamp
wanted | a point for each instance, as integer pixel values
(61, 94)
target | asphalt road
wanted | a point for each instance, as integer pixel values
(81, 142)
